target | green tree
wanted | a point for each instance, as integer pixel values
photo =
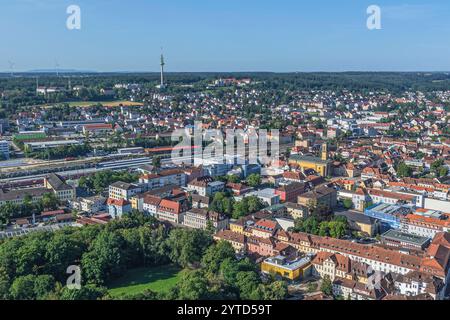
(215, 255)
(248, 282)
(43, 286)
(404, 171)
(327, 286)
(192, 285)
(254, 180)
(49, 201)
(87, 292)
(187, 246)
(348, 203)
(23, 288)
(104, 260)
(277, 290)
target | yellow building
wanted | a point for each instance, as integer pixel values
(240, 226)
(323, 167)
(280, 266)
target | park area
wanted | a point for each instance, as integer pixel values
(157, 279)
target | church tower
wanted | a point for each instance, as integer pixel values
(325, 152)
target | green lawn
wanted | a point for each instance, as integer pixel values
(158, 279)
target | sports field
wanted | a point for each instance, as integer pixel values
(157, 279)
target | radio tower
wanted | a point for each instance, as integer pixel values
(162, 70)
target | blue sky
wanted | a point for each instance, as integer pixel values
(231, 35)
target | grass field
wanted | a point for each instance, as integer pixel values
(158, 279)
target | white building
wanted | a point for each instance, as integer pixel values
(122, 190)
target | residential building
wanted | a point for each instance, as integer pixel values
(290, 192)
(92, 204)
(425, 223)
(163, 178)
(360, 222)
(202, 218)
(123, 190)
(205, 186)
(322, 196)
(296, 211)
(118, 207)
(267, 196)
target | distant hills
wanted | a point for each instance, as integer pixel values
(59, 71)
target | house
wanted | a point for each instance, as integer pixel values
(425, 223)
(296, 211)
(335, 265)
(118, 207)
(264, 228)
(236, 240)
(267, 196)
(390, 197)
(166, 177)
(92, 204)
(351, 289)
(205, 186)
(415, 283)
(97, 129)
(323, 196)
(199, 201)
(201, 218)
(260, 246)
(171, 210)
(123, 190)
(360, 222)
(290, 192)
(238, 189)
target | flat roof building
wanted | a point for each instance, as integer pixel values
(399, 239)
